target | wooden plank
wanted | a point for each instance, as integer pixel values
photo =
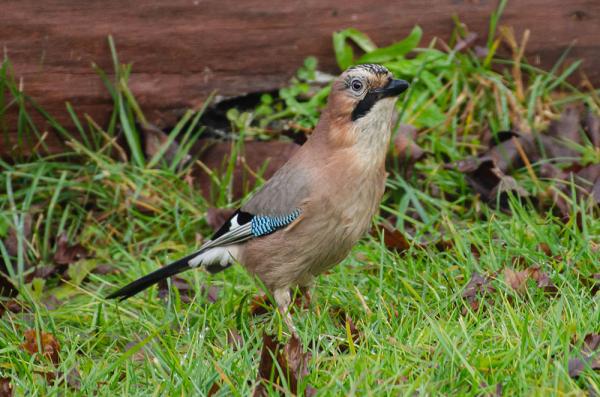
(182, 50)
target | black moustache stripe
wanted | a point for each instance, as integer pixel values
(364, 106)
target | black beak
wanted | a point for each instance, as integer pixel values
(395, 87)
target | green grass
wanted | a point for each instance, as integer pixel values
(417, 332)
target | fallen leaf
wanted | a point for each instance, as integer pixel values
(545, 248)
(234, 339)
(562, 133)
(405, 148)
(214, 389)
(591, 126)
(67, 253)
(104, 269)
(543, 280)
(481, 52)
(185, 289)
(74, 379)
(212, 292)
(12, 241)
(587, 357)
(497, 390)
(516, 280)
(290, 358)
(140, 354)
(6, 389)
(260, 304)
(477, 288)
(50, 347)
(348, 326)
(43, 272)
(393, 238)
(155, 140)
(7, 287)
(467, 42)
(14, 306)
(489, 174)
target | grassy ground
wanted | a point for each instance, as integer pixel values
(415, 329)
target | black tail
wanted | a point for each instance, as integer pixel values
(150, 279)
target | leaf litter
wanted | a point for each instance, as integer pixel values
(282, 364)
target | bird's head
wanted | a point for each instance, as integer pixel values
(360, 108)
(361, 91)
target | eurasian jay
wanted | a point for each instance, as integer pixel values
(306, 218)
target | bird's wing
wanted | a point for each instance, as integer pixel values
(277, 204)
(216, 254)
(286, 191)
(242, 226)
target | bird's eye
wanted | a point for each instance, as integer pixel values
(356, 85)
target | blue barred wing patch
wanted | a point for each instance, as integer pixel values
(261, 225)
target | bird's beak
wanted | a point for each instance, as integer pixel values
(394, 87)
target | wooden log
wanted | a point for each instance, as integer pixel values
(182, 50)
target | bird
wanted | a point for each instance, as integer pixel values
(307, 217)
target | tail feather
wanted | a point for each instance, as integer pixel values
(152, 278)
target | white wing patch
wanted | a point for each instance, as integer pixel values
(222, 256)
(233, 223)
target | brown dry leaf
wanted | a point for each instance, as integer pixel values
(497, 390)
(234, 339)
(467, 42)
(11, 242)
(215, 156)
(212, 292)
(49, 345)
(589, 356)
(15, 306)
(545, 248)
(104, 269)
(154, 139)
(489, 174)
(478, 287)
(542, 280)
(562, 132)
(74, 379)
(260, 304)
(6, 389)
(214, 389)
(516, 280)
(7, 287)
(346, 323)
(290, 358)
(186, 290)
(405, 148)
(141, 355)
(591, 126)
(392, 237)
(216, 217)
(67, 253)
